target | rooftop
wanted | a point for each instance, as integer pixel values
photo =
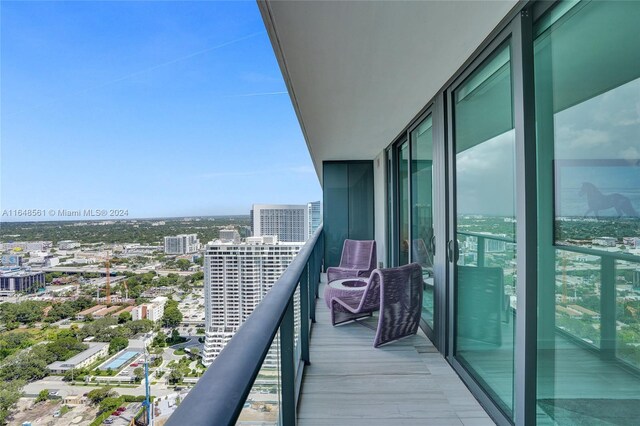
(94, 348)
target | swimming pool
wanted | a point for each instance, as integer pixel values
(120, 360)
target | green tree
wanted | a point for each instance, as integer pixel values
(140, 326)
(157, 361)
(10, 393)
(64, 348)
(172, 316)
(109, 404)
(117, 344)
(175, 337)
(43, 395)
(160, 340)
(138, 374)
(124, 317)
(175, 376)
(98, 395)
(183, 264)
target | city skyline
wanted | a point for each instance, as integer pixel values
(103, 124)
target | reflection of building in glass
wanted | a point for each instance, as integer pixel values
(605, 241)
(495, 246)
(631, 242)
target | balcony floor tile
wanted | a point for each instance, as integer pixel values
(408, 382)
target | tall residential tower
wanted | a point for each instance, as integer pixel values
(289, 222)
(236, 278)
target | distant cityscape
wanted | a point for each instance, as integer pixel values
(86, 306)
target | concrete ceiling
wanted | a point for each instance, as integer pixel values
(358, 72)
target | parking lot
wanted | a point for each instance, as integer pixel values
(123, 417)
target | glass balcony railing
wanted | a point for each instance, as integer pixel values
(256, 378)
(596, 302)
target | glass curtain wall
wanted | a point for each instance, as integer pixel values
(587, 80)
(422, 236)
(485, 229)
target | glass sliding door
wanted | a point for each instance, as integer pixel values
(485, 227)
(422, 232)
(402, 167)
(587, 81)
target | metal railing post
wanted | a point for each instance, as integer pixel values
(220, 394)
(480, 250)
(311, 297)
(608, 307)
(287, 368)
(304, 315)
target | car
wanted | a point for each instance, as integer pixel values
(56, 413)
(108, 421)
(135, 364)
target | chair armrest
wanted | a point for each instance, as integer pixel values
(350, 308)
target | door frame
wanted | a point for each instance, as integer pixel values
(519, 33)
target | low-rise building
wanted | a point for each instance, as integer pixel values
(152, 311)
(106, 311)
(68, 245)
(181, 244)
(16, 279)
(89, 311)
(127, 309)
(229, 236)
(83, 359)
(27, 245)
(605, 241)
(137, 249)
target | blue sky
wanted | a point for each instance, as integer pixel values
(161, 108)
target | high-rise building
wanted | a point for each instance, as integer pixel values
(236, 278)
(181, 244)
(289, 222)
(315, 216)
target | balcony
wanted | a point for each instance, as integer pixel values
(288, 365)
(407, 382)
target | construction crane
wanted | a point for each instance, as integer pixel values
(108, 279)
(147, 390)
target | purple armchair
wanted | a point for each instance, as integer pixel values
(358, 260)
(396, 292)
(349, 306)
(400, 303)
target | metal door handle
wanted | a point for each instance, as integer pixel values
(452, 251)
